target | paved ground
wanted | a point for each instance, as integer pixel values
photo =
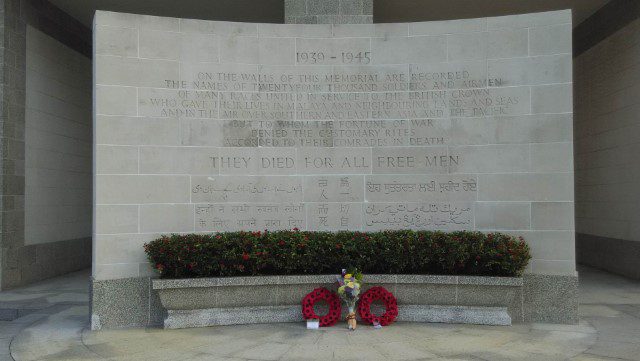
(609, 330)
(40, 304)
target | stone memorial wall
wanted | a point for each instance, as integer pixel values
(204, 126)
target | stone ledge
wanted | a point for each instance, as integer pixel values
(490, 281)
(495, 316)
(231, 316)
(160, 284)
(201, 302)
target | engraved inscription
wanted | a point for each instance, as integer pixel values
(246, 189)
(333, 137)
(218, 217)
(434, 216)
(390, 188)
(357, 92)
(342, 188)
(334, 216)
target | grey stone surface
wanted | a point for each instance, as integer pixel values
(159, 284)
(482, 295)
(8, 314)
(260, 139)
(503, 216)
(345, 19)
(429, 294)
(30, 305)
(232, 316)
(489, 281)
(552, 216)
(607, 210)
(367, 7)
(322, 7)
(552, 99)
(47, 260)
(120, 303)
(213, 301)
(55, 150)
(157, 313)
(22, 262)
(550, 298)
(295, 7)
(351, 7)
(497, 316)
(431, 279)
(328, 11)
(241, 281)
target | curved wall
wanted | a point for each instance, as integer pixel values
(207, 126)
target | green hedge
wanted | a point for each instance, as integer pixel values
(298, 252)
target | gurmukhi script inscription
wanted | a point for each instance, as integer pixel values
(332, 143)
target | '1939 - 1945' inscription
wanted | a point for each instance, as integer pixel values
(352, 145)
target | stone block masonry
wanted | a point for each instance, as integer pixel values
(607, 142)
(328, 11)
(58, 141)
(225, 126)
(201, 302)
(30, 71)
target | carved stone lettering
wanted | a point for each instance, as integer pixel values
(404, 126)
(246, 189)
(249, 216)
(434, 216)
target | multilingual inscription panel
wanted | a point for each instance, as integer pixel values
(355, 121)
(226, 126)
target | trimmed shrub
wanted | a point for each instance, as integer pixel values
(299, 252)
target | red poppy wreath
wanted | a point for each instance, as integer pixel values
(335, 309)
(390, 303)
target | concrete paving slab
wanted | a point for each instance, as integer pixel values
(609, 329)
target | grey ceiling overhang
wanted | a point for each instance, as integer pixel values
(273, 10)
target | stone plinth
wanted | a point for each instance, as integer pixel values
(200, 302)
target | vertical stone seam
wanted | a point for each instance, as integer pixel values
(138, 45)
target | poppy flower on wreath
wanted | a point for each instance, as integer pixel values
(390, 303)
(322, 294)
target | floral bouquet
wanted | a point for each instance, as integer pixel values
(349, 292)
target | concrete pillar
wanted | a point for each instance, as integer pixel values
(328, 11)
